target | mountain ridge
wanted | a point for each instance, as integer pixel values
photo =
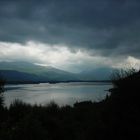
(41, 73)
(37, 73)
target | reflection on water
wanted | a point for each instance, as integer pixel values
(61, 93)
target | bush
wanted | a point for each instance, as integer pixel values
(120, 75)
(2, 83)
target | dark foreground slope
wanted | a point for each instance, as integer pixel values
(116, 118)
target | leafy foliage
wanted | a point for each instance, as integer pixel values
(2, 82)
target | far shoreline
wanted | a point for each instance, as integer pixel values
(54, 82)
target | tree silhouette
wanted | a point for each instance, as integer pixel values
(1, 92)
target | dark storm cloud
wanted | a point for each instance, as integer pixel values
(111, 27)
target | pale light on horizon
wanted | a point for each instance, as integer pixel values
(60, 56)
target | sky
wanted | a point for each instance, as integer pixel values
(72, 35)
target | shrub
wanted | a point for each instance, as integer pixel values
(120, 75)
(2, 83)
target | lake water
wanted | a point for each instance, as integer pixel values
(61, 93)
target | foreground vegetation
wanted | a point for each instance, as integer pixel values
(117, 117)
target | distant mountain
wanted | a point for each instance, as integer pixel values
(34, 72)
(102, 73)
(11, 76)
(29, 72)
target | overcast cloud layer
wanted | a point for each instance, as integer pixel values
(104, 32)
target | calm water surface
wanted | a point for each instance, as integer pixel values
(61, 93)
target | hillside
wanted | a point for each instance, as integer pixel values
(34, 72)
(98, 74)
(12, 76)
(48, 73)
